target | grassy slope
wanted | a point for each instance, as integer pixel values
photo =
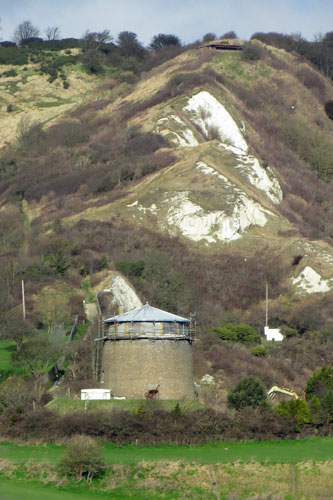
(7, 347)
(31, 94)
(246, 74)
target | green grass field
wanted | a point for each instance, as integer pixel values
(269, 452)
(23, 490)
(283, 470)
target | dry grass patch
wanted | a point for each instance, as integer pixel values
(38, 90)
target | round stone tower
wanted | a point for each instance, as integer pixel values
(147, 352)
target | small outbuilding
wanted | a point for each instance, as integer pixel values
(95, 394)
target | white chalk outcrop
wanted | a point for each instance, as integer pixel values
(309, 281)
(205, 169)
(177, 130)
(234, 211)
(211, 117)
(263, 179)
(123, 294)
(179, 213)
(197, 224)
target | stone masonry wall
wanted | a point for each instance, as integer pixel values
(133, 367)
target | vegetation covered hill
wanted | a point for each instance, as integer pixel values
(200, 174)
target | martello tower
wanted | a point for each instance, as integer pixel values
(148, 349)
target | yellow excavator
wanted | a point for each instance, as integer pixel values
(275, 390)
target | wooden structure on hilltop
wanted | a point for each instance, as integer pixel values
(223, 46)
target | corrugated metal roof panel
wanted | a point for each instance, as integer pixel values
(147, 313)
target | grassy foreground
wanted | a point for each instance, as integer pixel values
(284, 470)
(269, 452)
(172, 481)
(23, 490)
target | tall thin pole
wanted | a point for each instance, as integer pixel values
(266, 303)
(23, 300)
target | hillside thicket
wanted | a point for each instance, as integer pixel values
(98, 153)
(92, 157)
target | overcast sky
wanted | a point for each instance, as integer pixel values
(189, 19)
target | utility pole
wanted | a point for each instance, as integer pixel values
(23, 300)
(266, 304)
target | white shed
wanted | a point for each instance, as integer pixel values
(95, 394)
(273, 334)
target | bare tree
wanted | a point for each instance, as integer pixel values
(93, 40)
(52, 32)
(24, 31)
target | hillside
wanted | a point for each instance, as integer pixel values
(212, 170)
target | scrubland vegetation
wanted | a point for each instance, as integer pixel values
(93, 157)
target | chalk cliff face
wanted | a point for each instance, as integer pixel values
(237, 209)
(219, 192)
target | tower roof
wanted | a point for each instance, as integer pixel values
(147, 313)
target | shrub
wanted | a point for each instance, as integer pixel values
(163, 41)
(103, 262)
(248, 392)
(126, 77)
(241, 333)
(83, 459)
(253, 51)
(131, 269)
(297, 409)
(230, 34)
(57, 262)
(329, 109)
(259, 350)
(312, 80)
(209, 37)
(66, 84)
(320, 382)
(10, 72)
(12, 55)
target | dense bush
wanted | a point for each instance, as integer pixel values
(83, 459)
(320, 382)
(329, 109)
(248, 392)
(147, 426)
(242, 333)
(162, 41)
(131, 269)
(296, 409)
(10, 72)
(253, 51)
(13, 55)
(259, 351)
(312, 80)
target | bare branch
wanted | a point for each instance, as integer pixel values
(24, 31)
(52, 33)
